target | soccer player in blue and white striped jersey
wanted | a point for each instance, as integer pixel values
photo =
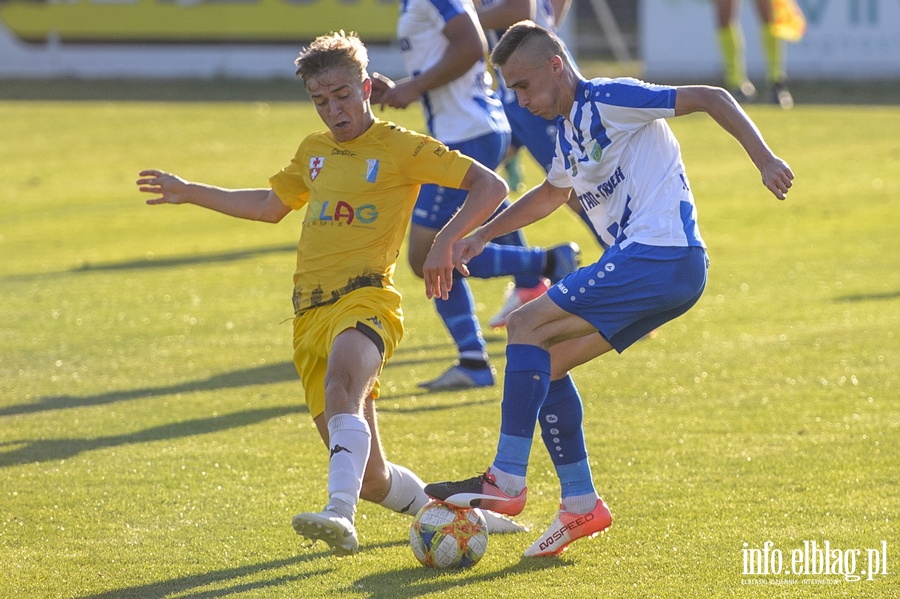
(616, 151)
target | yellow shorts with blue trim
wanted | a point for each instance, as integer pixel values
(375, 311)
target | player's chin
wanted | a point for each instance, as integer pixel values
(341, 131)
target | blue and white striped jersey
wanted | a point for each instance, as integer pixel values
(619, 154)
(465, 108)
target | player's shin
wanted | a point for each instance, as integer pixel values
(350, 443)
(524, 391)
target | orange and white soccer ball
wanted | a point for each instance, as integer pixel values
(444, 536)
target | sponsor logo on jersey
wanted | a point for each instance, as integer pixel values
(609, 186)
(340, 212)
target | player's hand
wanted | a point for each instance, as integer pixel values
(464, 250)
(169, 188)
(401, 95)
(437, 270)
(380, 86)
(777, 176)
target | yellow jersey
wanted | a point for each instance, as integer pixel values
(359, 196)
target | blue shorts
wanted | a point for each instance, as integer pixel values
(436, 205)
(629, 292)
(535, 133)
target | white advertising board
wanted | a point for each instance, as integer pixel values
(845, 40)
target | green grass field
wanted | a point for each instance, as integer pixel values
(154, 441)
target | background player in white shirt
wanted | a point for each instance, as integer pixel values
(534, 133)
(444, 49)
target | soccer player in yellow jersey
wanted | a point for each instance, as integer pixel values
(357, 182)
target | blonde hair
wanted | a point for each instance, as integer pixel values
(337, 49)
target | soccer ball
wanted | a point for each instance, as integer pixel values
(443, 536)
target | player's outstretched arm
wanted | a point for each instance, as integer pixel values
(252, 204)
(724, 109)
(535, 205)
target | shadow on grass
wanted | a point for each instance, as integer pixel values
(168, 262)
(866, 297)
(45, 450)
(247, 377)
(280, 372)
(258, 375)
(165, 262)
(188, 587)
(462, 404)
(410, 583)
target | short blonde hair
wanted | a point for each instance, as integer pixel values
(337, 49)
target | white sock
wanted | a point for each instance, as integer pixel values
(511, 484)
(580, 504)
(407, 493)
(351, 441)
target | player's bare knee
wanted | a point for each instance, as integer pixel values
(519, 327)
(341, 394)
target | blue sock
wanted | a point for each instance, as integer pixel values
(561, 429)
(524, 264)
(524, 389)
(533, 276)
(514, 238)
(458, 314)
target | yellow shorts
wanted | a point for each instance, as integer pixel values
(372, 308)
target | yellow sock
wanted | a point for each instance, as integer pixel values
(731, 42)
(774, 51)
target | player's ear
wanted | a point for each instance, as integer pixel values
(367, 88)
(556, 63)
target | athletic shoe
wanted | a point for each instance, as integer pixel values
(561, 260)
(459, 377)
(481, 491)
(498, 524)
(568, 527)
(745, 92)
(331, 527)
(782, 96)
(515, 298)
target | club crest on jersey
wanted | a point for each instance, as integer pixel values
(596, 152)
(315, 166)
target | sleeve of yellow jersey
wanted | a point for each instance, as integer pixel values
(289, 184)
(426, 160)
